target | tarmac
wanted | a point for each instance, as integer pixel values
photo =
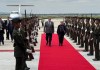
(7, 60)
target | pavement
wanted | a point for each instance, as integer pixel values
(7, 60)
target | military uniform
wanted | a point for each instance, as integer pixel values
(87, 32)
(91, 37)
(82, 33)
(79, 32)
(75, 26)
(19, 45)
(96, 41)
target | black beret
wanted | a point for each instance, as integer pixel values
(16, 20)
(93, 19)
(87, 18)
(97, 19)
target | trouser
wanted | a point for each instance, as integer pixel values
(11, 35)
(96, 45)
(7, 34)
(67, 32)
(75, 37)
(91, 47)
(82, 41)
(61, 38)
(79, 39)
(20, 63)
(49, 38)
(86, 44)
(31, 56)
(1, 38)
(42, 24)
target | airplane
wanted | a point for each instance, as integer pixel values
(15, 14)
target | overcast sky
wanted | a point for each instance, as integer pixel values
(53, 6)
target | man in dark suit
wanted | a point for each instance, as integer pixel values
(1, 32)
(49, 30)
(61, 30)
(8, 22)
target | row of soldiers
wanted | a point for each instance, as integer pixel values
(23, 34)
(85, 31)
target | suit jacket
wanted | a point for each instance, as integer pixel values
(63, 31)
(49, 27)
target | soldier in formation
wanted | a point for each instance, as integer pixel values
(23, 46)
(85, 31)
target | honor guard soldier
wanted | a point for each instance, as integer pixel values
(79, 30)
(87, 32)
(97, 39)
(20, 46)
(75, 27)
(66, 22)
(92, 27)
(82, 33)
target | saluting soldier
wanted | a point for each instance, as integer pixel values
(75, 27)
(74, 34)
(97, 39)
(20, 46)
(87, 32)
(72, 29)
(67, 26)
(82, 33)
(92, 27)
(79, 30)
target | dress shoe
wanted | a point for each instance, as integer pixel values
(77, 44)
(74, 42)
(90, 54)
(85, 51)
(81, 46)
(61, 45)
(96, 59)
(27, 68)
(28, 59)
(47, 43)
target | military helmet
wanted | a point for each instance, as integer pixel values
(16, 20)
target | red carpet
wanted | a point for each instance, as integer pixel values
(61, 57)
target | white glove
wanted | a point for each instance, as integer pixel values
(85, 30)
(33, 40)
(29, 51)
(27, 37)
(31, 45)
(32, 36)
(77, 26)
(82, 28)
(91, 31)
